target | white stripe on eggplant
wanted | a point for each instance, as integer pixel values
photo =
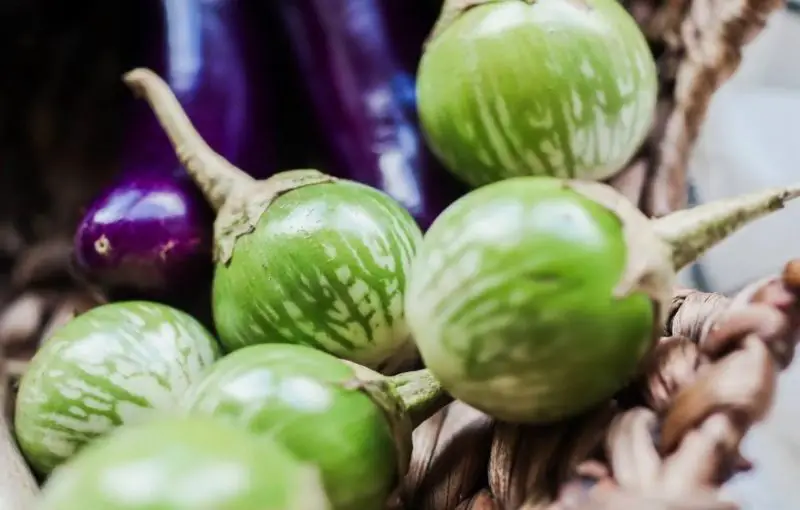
(598, 49)
(112, 365)
(350, 301)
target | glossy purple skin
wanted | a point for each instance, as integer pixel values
(357, 57)
(151, 230)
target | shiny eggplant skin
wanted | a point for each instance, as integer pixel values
(150, 230)
(357, 58)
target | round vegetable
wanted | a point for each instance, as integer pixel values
(151, 230)
(184, 464)
(534, 298)
(563, 88)
(115, 364)
(350, 422)
(300, 257)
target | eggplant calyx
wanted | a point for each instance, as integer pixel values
(691, 232)
(239, 214)
(421, 394)
(214, 175)
(380, 391)
(452, 10)
(648, 267)
(406, 400)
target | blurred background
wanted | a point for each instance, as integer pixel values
(750, 141)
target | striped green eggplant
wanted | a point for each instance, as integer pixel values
(115, 364)
(352, 423)
(184, 464)
(535, 298)
(301, 257)
(563, 88)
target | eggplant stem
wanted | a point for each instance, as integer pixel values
(422, 395)
(213, 174)
(691, 232)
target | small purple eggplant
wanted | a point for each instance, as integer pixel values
(151, 230)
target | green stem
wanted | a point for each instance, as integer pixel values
(215, 176)
(421, 394)
(691, 232)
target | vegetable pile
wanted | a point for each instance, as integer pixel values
(309, 401)
(301, 257)
(533, 297)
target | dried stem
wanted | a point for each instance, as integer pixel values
(214, 175)
(239, 200)
(691, 232)
(421, 393)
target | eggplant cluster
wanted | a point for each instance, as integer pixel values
(350, 304)
(354, 61)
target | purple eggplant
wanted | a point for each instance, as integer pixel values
(150, 231)
(357, 59)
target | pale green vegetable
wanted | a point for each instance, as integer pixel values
(533, 299)
(302, 257)
(115, 364)
(562, 88)
(184, 464)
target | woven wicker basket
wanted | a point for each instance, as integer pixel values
(667, 442)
